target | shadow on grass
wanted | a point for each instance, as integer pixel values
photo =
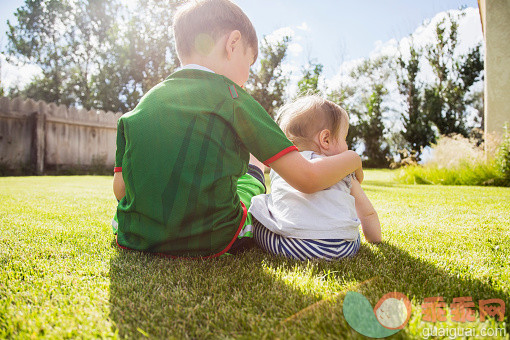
(250, 295)
(225, 297)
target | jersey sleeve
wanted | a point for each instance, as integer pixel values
(121, 145)
(258, 131)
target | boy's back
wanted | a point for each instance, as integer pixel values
(186, 144)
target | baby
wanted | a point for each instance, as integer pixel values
(323, 224)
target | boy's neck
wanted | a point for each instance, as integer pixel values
(208, 62)
(196, 67)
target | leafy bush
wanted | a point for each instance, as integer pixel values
(464, 174)
(503, 157)
(458, 161)
(451, 152)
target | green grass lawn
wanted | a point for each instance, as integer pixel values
(62, 276)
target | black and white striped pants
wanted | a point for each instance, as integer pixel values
(303, 249)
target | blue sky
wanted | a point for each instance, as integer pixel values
(338, 31)
(332, 32)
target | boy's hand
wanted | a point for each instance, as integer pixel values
(318, 174)
(119, 187)
(359, 174)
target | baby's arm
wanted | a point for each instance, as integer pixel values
(366, 213)
(309, 176)
(119, 187)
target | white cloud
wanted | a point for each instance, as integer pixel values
(469, 35)
(469, 31)
(295, 49)
(342, 76)
(17, 76)
(277, 35)
(388, 48)
(303, 27)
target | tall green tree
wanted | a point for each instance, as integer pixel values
(151, 44)
(418, 132)
(94, 53)
(341, 96)
(94, 22)
(267, 83)
(41, 37)
(65, 39)
(476, 100)
(445, 100)
(141, 54)
(309, 83)
(370, 110)
(372, 129)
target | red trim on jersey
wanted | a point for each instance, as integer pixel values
(230, 89)
(241, 225)
(245, 214)
(117, 241)
(117, 169)
(280, 154)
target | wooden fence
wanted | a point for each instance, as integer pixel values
(37, 137)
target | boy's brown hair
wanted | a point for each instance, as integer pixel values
(303, 118)
(199, 24)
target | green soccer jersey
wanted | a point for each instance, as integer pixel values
(181, 152)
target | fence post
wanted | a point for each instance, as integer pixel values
(38, 141)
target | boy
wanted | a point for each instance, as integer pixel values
(182, 153)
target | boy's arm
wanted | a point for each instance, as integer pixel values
(263, 138)
(119, 188)
(359, 175)
(309, 176)
(366, 213)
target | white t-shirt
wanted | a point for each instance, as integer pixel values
(327, 214)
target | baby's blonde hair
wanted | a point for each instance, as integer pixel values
(303, 118)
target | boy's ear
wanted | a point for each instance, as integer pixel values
(325, 139)
(233, 41)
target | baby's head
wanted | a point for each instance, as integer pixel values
(315, 124)
(218, 35)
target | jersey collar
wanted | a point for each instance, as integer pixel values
(196, 67)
